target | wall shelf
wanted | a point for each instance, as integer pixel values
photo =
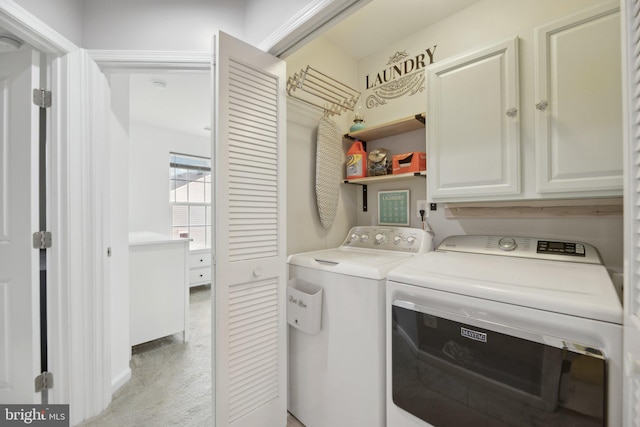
(395, 127)
(389, 129)
(381, 178)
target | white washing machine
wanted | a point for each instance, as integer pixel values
(498, 331)
(337, 376)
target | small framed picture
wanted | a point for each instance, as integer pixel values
(393, 207)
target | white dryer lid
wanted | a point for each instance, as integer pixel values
(368, 264)
(583, 290)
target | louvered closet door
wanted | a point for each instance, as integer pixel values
(250, 272)
(631, 89)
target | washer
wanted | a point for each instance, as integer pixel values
(337, 376)
(504, 331)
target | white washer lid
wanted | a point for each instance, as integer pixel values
(365, 263)
(583, 290)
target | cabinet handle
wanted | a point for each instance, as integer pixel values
(512, 113)
(542, 105)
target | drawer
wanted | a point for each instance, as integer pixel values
(200, 275)
(202, 259)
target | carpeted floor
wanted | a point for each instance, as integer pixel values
(171, 379)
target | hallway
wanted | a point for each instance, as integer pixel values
(171, 380)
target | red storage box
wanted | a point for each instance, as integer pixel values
(415, 161)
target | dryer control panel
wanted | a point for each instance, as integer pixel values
(523, 247)
(397, 239)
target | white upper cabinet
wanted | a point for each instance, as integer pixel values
(473, 129)
(578, 116)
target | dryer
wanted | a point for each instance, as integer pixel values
(337, 376)
(504, 331)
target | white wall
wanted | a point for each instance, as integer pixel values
(417, 186)
(119, 261)
(304, 232)
(149, 150)
(479, 25)
(159, 25)
(64, 16)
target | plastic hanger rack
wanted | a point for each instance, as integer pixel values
(322, 91)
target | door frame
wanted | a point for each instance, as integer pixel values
(76, 353)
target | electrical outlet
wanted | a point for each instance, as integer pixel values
(421, 205)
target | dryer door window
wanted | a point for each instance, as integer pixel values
(452, 374)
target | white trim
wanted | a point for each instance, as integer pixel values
(308, 22)
(32, 30)
(120, 380)
(57, 211)
(64, 135)
(135, 60)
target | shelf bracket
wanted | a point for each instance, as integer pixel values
(349, 137)
(364, 198)
(420, 118)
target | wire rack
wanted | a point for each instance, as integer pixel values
(322, 91)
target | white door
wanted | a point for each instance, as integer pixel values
(19, 279)
(250, 346)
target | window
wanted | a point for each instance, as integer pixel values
(190, 199)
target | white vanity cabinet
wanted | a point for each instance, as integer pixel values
(578, 116)
(199, 267)
(158, 286)
(473, 128)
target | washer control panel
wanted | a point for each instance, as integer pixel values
(561, 248)
(398, 239)
(523, 247)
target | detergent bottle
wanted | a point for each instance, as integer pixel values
(356, 161)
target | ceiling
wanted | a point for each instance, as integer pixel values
(185, 104)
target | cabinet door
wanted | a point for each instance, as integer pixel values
(579, 103)
(473, 144)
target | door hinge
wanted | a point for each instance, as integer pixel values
(42, 98)
(42, 239)
(44, 381)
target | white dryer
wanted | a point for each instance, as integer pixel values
(504, 331)
(337, 376)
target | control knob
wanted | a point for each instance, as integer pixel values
(411, 240)
(397, 240)
(380, 239)
(364, 237)
(507, 244)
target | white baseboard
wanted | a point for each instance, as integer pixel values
(120, 380)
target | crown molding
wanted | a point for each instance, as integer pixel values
(21, 23)
(132, 60)
(306, 24)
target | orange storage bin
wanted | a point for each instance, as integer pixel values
(415, 161)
